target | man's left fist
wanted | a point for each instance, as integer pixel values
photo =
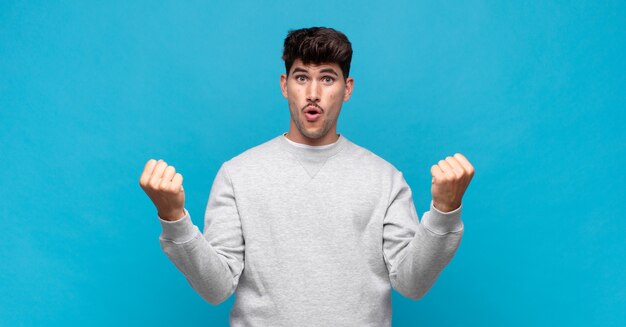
(450, 180)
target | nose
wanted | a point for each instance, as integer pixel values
(313, 91)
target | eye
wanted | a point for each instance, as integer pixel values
(328, 79)
(300, 78)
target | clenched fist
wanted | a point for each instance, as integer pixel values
(164, 187)
(450, 180)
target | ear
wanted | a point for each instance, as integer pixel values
(348, 90)
(283, 85)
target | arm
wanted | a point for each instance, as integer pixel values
(213, 262)
(417, 252)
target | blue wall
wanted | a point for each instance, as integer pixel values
(532, 93)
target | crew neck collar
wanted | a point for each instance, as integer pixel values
(312, 151)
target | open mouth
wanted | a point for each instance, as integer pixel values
(312, 113)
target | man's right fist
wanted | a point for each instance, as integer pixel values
(164, 187)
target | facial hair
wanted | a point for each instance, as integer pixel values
(319, 133)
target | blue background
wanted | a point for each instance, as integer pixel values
(533, 93)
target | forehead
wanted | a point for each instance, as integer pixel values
(313, 67)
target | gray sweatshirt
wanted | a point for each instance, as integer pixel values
(311, 236)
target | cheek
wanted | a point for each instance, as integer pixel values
(335, 96)
(331, 95)
(294, 105)
(296, 95)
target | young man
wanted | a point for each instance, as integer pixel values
(309, 228)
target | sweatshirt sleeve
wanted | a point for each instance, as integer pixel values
(416, 252)
(212, 262)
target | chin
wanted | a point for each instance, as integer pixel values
(314, 134)
(310, 135)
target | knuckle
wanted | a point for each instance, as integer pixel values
(154, 184)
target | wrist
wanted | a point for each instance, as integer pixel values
(446, 207)
(172, 216)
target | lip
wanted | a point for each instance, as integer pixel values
(313, 109)
(312, 116)
(312, 113)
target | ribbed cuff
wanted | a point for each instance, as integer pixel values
(178, 231)
(443, 222)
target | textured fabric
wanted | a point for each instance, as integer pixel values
(309, 236)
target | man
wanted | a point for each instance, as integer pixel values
(309, 228)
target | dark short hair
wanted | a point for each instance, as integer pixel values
(318, 45)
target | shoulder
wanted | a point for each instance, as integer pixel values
(368, 158)
(375, 170)
(254, 155)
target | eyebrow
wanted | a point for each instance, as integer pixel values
(325, 70)
(329, 70)
(300, 70)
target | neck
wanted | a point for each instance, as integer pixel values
(295, 136)
(326, 139)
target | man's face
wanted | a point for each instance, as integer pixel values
(315, 94)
